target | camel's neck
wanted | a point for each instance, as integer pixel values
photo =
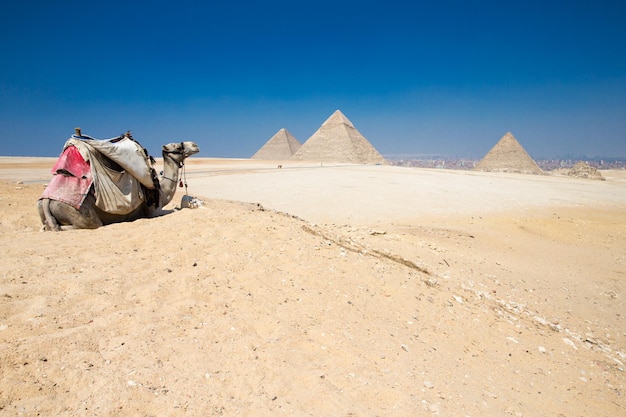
(169, 181)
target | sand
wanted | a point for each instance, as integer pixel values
(320, 291)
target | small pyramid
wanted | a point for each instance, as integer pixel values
(280, 146)
(508, 156)
(583, 170)
(337, 140)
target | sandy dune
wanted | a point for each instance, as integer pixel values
(321, 291)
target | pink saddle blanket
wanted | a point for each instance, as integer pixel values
(71, 179)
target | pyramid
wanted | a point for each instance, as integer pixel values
(337, 140)
(280, 146)
(508, 156)
(583, 170)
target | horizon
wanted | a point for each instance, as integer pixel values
(447, 79)
(399, 157)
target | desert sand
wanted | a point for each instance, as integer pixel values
(317, 290)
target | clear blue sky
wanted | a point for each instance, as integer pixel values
(436, 77)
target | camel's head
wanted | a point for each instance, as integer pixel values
(180, 151)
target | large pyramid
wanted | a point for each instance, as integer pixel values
(337, 140)
(508, 156)
(280, 146)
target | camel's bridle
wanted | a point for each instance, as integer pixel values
(181, 165)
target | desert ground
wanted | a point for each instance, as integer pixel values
(317, 290)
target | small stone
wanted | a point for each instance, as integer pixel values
(569, 342)
(434, 408)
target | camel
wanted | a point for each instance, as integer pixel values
(56, 215)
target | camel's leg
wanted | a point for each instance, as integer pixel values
(84, 218)
(56, 215)
(47, 219)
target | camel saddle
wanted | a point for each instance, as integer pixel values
(120, 170)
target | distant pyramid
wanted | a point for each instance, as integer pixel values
(281, 146)
(337, 140)
(583, 170)
(508, 156)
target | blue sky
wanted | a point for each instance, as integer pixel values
(446, 77)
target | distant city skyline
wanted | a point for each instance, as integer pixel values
(448, 78)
